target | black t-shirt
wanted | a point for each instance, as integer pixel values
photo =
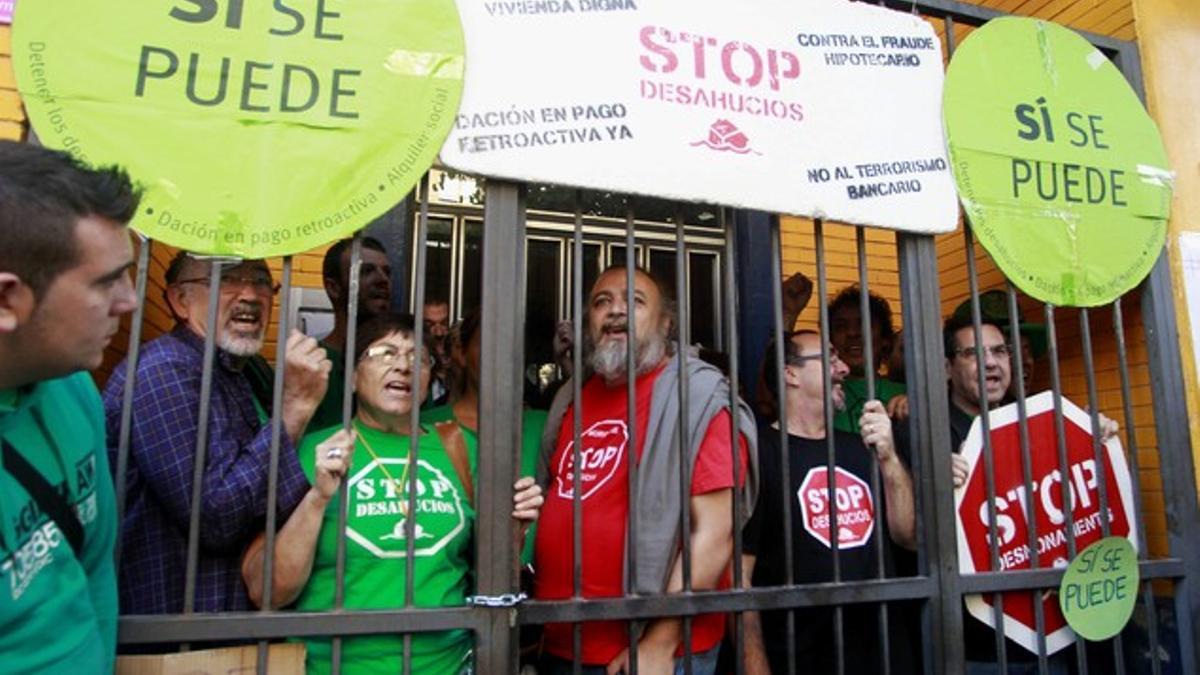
(861, 517)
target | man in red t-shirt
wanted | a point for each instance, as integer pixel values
(606, 442)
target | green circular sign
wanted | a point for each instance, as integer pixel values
(1099, 588)
(1059, 168)
(257, 128)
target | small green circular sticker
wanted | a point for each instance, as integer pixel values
(257, 128)
(1099, 588)
(1059, 168)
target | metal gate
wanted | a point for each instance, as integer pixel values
(938, 587)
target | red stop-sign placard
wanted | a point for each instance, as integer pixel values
(1014, 508)
(855, 507)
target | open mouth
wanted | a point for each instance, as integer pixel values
(615, 330)
(398, 387)
(246, 319)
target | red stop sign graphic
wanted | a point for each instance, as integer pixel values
(855, 507)
(1045, 506)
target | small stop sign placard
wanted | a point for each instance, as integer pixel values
(1045, 506)
(855, 507)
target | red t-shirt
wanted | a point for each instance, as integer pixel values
(605, 505)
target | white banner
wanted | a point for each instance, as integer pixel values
(825, 109)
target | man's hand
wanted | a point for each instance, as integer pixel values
(1108, 428)
(333, 459)
(876, 429)
(897, 407)
(527, 501)
(306, 378)
(958, 470)
(797, 291)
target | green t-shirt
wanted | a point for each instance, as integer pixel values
(855, 389)
(329, 412)
(58, 611)
(375, 552)
(533, 422)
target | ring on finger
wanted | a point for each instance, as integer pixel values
(335, 453)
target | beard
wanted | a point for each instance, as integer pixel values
(608, 358)
(241, 342)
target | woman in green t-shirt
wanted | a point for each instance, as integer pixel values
(377, 455)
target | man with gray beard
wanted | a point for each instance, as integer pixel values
(162, 443)
(658, 451)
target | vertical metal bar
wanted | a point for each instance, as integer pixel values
(500, 386)
(577, 430)
(685, 477)
(1089, 365)
(1014, 339)
(839, 640)
(339, 586)
(631, 423)
(273, 463)
(1135, 482)
(1064, 468)
(206, 375)
(780, 333)
(928, 414)
(988, 457)
(731, 347)
(864, 312)
(413, 463)
(131, 362)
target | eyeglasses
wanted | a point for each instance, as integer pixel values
(260, 282)
(1000, 351)
(389, 356)
(801, 359)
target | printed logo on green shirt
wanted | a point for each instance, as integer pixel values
(379, 499)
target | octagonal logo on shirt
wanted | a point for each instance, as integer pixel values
(855, 507)
(602, 449)
(378, 509)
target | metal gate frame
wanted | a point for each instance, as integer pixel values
(940, 586)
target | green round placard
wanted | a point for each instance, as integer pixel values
(1061, 171)
(1100, 588)
(256, 128)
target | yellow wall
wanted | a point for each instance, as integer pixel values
(12, 115)
(1169, 42)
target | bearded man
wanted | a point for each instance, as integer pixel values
(162, 445)
(610, 442)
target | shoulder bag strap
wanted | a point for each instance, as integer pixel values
(48, 499)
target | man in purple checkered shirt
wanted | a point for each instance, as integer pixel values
(166, 403)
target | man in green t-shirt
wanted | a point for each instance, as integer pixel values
(374, 298)
(65, 257)
(846, 334)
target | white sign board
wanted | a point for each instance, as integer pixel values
(824, 109)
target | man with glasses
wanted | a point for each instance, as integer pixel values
(162, 443)
(863, 516)
(966, 403)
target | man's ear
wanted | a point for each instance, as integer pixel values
(177, 303)
(16, 302)
(333, 289)
(790, 377)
